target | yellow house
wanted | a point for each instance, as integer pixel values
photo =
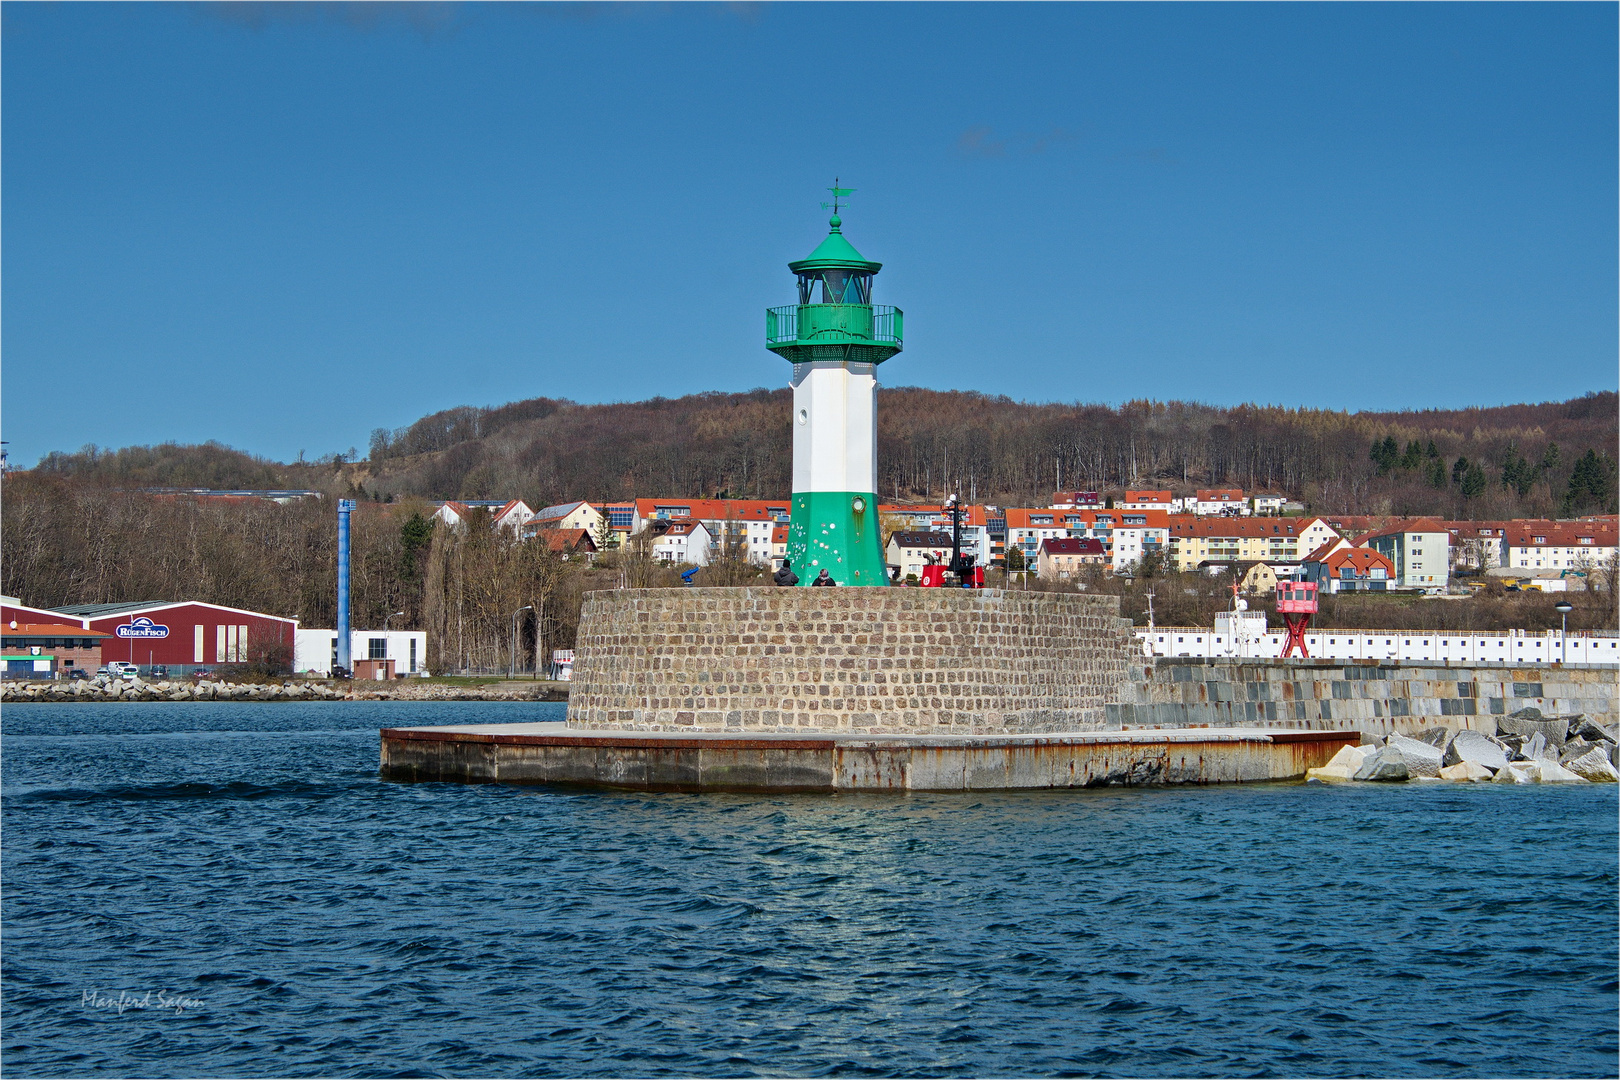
(1195, 541)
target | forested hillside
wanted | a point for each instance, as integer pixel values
(1507, 461)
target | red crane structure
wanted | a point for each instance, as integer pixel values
(1296, 603)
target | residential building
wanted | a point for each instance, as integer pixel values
(1146, 500)
(1583, 545)
(451, 514)
(1267, 502)
(740, 527)
(1215, 502)
(1077, 500)
(621, 522)
(1340, 567)
(1127, 535)
(684, 541)
(503, 513)
(1419, 551)
(1061, 559)
(567, 516)
(1476, 547)
(1027, 528)
(1217, 541)
(779, 536)
(911, 551)
(513, 515)
(976, 541)
(1262, 577)
(567, 542)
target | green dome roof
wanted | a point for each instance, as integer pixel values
(835, 253)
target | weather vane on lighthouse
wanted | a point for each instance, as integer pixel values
(835, 337)
(838, 193)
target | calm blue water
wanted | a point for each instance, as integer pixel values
(245, 857)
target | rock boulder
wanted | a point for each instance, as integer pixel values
(1342, 766)
(1594, 765)
(1437, 737)
(1421, 758)
(1589, 731)
(1387, 764)
(1516, 773)
(1554, 730)
(1474, 747)
(1466, 770)
(1550, 772)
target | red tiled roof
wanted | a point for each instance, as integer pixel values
(1361, 558)
(1069, 545)
(718, 509)
(568, 540)
(1423, 525)
(1181, 525)
(33, 629)
(1220, 494)
(921, 539)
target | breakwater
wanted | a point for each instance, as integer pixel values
(1378, 699)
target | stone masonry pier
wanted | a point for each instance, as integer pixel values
(853, 661)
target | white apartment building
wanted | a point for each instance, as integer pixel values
(1268, 502)
(1147, 500)
(1217, 502)
(1559, 545)
(684, 542)
(1420, 550)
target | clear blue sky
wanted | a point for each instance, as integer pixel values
(281, 227)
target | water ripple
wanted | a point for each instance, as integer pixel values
(326, 922)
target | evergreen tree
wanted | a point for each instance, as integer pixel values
(1473, 482)
(1517, 473)
(1413, 456)
(1432, 453)
(1549, 458)
(1385, 454)
(415, 536)
(1437, 474)
(1591, 484)
(1459, 470)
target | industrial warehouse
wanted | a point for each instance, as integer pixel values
(190, 638)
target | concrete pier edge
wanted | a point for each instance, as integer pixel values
(830, 762)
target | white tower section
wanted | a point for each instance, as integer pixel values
(834, 428)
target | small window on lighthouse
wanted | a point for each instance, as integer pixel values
(804, 416)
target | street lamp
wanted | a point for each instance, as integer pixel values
(1563, 607)
(511, 666)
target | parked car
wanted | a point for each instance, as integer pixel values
(118, 669)
(200, 673)
(77, 673)
(159, 671)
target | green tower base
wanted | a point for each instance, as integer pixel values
(827, 534)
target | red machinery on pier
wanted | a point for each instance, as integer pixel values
(1296, 603)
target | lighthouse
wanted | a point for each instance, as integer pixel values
(835, 338)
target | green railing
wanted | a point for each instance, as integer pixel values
(834, 323)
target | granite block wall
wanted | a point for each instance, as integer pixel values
(874, 661)
(1374, 698)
